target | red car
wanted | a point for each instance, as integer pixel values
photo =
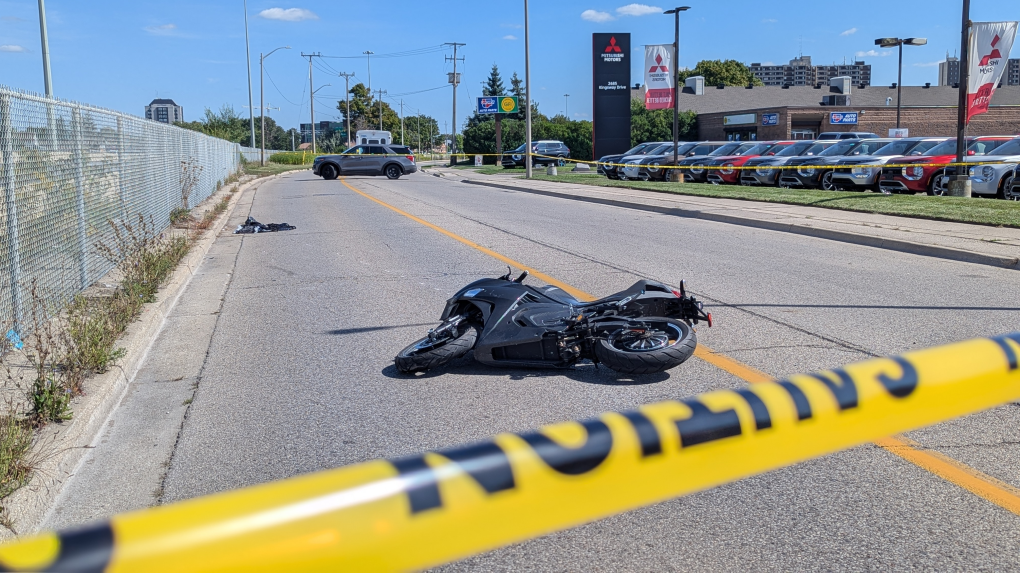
(732, 176)
(924, 172)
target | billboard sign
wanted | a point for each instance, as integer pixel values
(497, 104)
(658, 78)
(611, 93)
(770, 119)
(843, 118)
(740, 119)
(990, 43)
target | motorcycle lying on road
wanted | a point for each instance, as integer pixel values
(644, 329)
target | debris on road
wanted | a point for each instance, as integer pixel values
(253, 226)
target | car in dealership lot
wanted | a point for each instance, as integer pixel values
(694, 167)
(389, 160)
(767, 168)
(816, 171)
(861, 172)
(657, 168)
(846, 135)
(924, 174)
(726, 172)
(993, 174)
(547, 152)
(1012, 191)
(628, 164)
(609, 164)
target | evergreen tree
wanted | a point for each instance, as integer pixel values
(494, 85)
(517, 90)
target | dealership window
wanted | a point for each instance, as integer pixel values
(746, 134)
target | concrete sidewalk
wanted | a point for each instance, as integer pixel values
(994, 246)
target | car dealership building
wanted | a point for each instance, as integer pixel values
(802, 112)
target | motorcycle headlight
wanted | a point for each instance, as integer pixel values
(806, 171)
(653, 167)
(913, 172)
(727, 169)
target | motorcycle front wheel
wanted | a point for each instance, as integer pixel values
(647, 346)
(428, 353)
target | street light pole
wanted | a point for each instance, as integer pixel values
(368, 56)
(898, 42)
(676, 81)
(262, 104)
(247, 51)
(960, 183)
(347, 79)
(44, 37)
(381, 92)
(527, 96)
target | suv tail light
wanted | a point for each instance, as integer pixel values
(410, 158)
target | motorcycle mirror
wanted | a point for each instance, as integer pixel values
(521, 278)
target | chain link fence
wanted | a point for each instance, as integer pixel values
(67, 170)
(254, 154)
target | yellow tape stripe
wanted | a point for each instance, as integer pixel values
(957, 473)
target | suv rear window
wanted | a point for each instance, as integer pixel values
(400, 150)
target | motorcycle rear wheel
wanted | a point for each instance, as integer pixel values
(661, 344)
(426, 354)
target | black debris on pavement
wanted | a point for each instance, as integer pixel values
(253, 226)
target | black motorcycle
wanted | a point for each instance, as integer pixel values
(642, 330)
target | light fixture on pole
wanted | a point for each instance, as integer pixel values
(312, 102)
(676, 82)
(247, 52)
(262, 104)
(347, 79)
(368, 55)
(899, 42)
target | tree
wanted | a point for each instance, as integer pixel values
(225, 124)
(365, 112)
(726, 72)
(494, 84)
(657, 124)
(517, 90)
(430, 136)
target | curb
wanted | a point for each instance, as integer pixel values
(60, 445)
(935, 251)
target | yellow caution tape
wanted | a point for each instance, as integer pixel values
(428, 509)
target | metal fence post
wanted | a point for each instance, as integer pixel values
(78, 161)
(10, 207)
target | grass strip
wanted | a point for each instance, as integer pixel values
(956, 209)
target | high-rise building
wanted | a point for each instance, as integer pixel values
(800, 72)
(1011, 77)
(949, 72)
(165, 111)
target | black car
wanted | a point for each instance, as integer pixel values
(764, 174)
(609, 165)
(545, 153)
(656, 168)
(389, 160)
(809, 171)
(693, 167)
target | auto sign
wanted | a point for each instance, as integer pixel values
(487, 105)
(843, 118)
(770, 119)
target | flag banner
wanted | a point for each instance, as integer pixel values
(990, 43)
(659, 76)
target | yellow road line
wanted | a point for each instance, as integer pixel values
(953, 471)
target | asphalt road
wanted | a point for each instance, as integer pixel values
(288, 369)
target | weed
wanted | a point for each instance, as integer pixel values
(190, 173)
(179, 215)
(51, 401)
(216, 211)
(15, 442)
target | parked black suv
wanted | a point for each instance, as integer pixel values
(389, 160)
(552, 152)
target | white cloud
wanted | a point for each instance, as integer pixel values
(848, 32)
(596, 16)
(11, 19)
(638, 10)
(770, 20)
(12, 48)
(288, 14)
(164, 30)
(873, 54)
(509, 37)
(928, 64)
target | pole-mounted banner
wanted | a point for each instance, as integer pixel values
(659, 76)
(990, 43)
(424, 510)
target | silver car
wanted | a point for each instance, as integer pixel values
(631, 164)
(995, 178)
(389, 160)
(863, 169)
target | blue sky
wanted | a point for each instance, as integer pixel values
(120, 54)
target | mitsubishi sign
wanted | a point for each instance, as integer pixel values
(611, 93)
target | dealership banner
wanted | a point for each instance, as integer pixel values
(610, 93)
(659, 75)
(990, 43)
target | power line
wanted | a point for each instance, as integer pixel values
(278, 89)
(404, 54)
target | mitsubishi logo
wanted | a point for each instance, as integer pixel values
(995, 55)
(660, 67)
(612, 47)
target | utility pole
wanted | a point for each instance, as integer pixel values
(247, 51)
(292, 148)
(455, 80)
(368, 55)
(47, 80)
(311, 92)
(401, 121)
(959, 184)
(347, 79)
(527, 97)
(380, 92)
(566, 105)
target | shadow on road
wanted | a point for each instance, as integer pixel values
(346, 331)
(877, 307)
(586, 373)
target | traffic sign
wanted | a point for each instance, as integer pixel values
(497, 104)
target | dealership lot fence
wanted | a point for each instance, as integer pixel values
(67, 170)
